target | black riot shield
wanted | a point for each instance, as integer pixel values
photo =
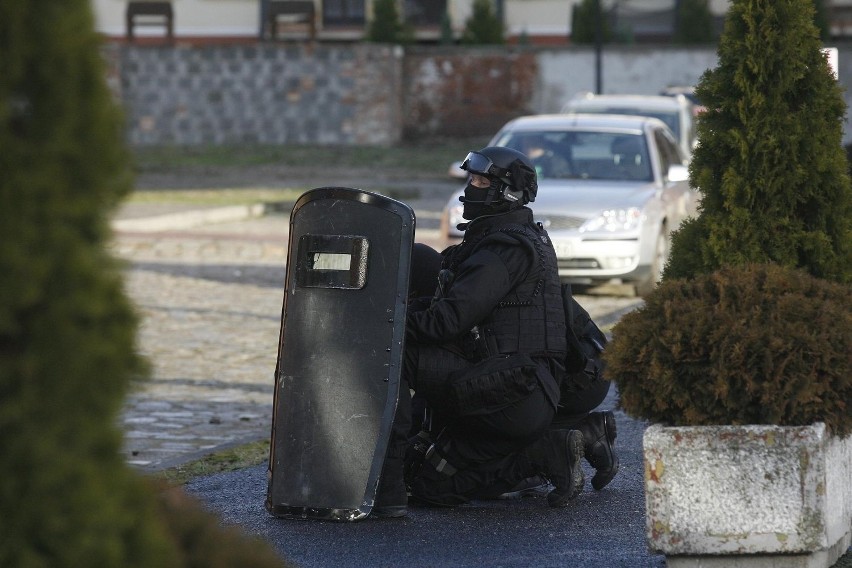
(339, 352)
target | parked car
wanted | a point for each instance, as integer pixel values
(611, 189)
(687, 91)
(676, 111)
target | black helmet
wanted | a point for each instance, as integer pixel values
(510, 167)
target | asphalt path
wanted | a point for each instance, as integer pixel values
(598, 529)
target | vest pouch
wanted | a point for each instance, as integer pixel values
(492, 384)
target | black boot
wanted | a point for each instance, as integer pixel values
(534, 486)
(557, 456)
(599, 433)
(391, 496)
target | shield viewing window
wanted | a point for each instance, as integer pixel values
(332, 261)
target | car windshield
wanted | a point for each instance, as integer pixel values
(670, 118)
(583, 154)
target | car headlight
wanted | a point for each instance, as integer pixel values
(455, 215)
(614, 220)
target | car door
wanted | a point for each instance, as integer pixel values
(678, 197)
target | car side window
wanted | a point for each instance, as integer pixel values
(669, 153)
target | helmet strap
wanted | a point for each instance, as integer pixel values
(489, 198)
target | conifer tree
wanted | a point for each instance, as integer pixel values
(386, 25)
(769, 166)
(585, 19)
(446, 30)
(483, 26)
(754, 301)
(67, 329)
(821, 20)
(693, 22)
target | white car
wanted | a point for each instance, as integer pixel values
(611, 189)
(676, 110)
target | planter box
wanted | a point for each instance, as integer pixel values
(778, 496)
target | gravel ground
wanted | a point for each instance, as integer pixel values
(598, 529)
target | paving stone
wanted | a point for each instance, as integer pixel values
(210, 304)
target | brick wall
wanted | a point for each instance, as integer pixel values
(470, 93)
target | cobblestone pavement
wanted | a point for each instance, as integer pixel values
(210, 299)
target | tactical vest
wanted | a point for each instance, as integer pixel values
(531, 319)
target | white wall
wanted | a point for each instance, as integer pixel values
(538, 17)
(208, 18)
(637, 70)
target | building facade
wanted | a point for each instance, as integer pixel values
(533, 21)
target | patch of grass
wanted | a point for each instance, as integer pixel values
(230, 459)
(152, 158)
(420, 156)
(224, 197)
(220, 197)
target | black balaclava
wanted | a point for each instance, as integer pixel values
(477, 203)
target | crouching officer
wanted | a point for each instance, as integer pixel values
(483, 354)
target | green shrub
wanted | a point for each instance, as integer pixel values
(755, 344)
(693, 23)
(751, 324)
(770, 166)
(585, 18)
(483, 27)
(203, 543)
(821, 20)
(386, 25)
(67, 329)
(447, 36)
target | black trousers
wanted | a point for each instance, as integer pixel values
(576, 407)
(484, 451)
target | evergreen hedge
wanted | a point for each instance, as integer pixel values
(483, 27)
(693, 23)
(751, 323)
(770, 165)
(387, 25)
(755, 344)
(67, 329)
(585, 17)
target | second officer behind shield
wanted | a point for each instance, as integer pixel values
(484, 353)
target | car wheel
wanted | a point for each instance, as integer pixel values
(661, 254)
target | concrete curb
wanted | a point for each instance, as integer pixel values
(190, 219)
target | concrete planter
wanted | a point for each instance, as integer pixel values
(757, 496)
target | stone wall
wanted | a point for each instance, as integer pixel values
(367, 94)
(260, 94)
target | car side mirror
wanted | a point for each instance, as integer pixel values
(678, 172)
(455, 171)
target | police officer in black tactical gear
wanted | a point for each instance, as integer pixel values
(485, 353)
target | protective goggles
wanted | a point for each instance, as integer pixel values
(478, 164)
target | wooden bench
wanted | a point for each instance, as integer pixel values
(150, 14)
(299, 12)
